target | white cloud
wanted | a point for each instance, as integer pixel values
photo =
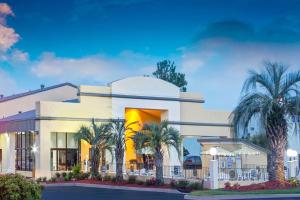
(8, 37)
(94, 68)
(5, 10)
(225, 63)
(19, 56)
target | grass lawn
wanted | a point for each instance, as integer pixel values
(226, 192)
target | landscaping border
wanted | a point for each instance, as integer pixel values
(172, 191)
(244, 196)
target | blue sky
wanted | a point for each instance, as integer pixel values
(97, 41)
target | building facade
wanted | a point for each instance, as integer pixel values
(47, 119)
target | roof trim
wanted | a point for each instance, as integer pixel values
(235, 140)
(12, 97)
(141, 97)
(199, 124)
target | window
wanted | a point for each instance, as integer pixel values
(24, 156)
(64, 151)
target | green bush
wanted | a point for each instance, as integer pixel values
(57, 174)
(107, 178)
(182, 184)
(294, 182)
(76, 170)
(140, 182)
(97, 177)
(38, 180)
(152, 182)
(64, 174)
(196, 185)
(114, 179)
(131, 179)
(67, 178)
(71, 175)
(17, 187)
(52, 179)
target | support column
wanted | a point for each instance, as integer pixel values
(214, 174)
(291, 169)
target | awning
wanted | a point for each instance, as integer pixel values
(220, 152)
(246, 151)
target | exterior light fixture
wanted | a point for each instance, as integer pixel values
(291, 153)
(213, 152)
(34, 149)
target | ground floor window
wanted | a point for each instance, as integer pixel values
(64, 151)
(24, 157)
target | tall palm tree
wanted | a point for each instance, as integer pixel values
(118, 129)
(274, 102)
(155, 136)
(99, 138)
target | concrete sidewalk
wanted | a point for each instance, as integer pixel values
(114, 187)
(251, 196)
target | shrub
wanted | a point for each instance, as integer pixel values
(52, 179)
(57, 174)
(294, 182)
(196, 185)
(76, 170)
(64, 174)
(38, 180)
(67, 178)
(107, 178)
(71, 175)
(97, 177)
(114, 179)
(236, 186)
(131, 179)
(182, 184)
(140, 182)
(227, 185)
(17, 187)
(44, 179)
(173, 183)
(153, 181)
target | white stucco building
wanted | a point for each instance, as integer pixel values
(47, 119)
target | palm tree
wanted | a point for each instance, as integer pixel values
(99, 138)
(274, 102)
(118, 129)
(155, 136)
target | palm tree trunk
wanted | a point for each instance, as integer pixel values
(277, 138)
(119, 162)
(159, 167)
(95, 154)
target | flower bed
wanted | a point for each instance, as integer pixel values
(132, 181)
(269, 185)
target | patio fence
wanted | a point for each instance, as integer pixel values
(247, 173)
(243, 174)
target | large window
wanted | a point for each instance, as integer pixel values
(64, 151)
(24, 156)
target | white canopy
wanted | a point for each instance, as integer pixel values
(246, 151)
(220, 152)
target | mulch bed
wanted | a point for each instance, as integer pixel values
(269, 185)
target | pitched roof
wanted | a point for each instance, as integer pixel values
(28, 115)
(15, 96)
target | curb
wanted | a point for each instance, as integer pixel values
(228, 197)
(113, 187)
